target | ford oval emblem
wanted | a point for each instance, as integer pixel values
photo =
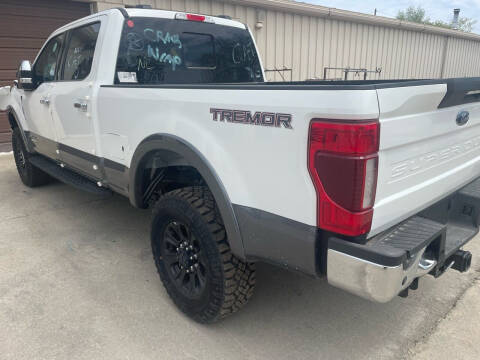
(462, 117)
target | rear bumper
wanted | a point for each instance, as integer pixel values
(392, 262)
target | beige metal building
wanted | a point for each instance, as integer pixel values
(307, 38)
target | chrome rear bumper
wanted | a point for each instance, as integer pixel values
(429, 243)
(372, 281)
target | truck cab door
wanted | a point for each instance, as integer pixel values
(36, 104)
(72, 101)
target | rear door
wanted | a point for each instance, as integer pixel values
(429, 146)
(72, 100)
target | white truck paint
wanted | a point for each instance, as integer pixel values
(424, 155)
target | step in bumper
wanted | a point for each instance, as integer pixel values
(392, 262)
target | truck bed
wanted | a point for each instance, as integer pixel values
(423, 152)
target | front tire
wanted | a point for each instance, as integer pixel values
(30, 175)
(189, 243)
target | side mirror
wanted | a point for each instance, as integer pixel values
(25, 76)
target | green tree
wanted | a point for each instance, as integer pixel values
(413, 14)
(418, 15)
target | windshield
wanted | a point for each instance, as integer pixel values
(165, 51)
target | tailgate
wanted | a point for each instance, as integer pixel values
(429, 147)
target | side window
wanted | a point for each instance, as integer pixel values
(79, 52)
(46, 65)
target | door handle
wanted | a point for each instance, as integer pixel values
(45, 101)
(81, 106)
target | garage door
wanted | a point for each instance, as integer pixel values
(24, 26)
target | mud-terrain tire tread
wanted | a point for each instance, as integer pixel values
(30, 175)
(235, 279)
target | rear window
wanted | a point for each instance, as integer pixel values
(165, 51)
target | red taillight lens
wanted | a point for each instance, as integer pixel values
(343, 163)
(350, 138)
(193, 17)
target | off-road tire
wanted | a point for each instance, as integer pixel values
(229, 280)
(30, 175)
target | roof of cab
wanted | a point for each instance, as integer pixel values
(134, 12)
(171, 15)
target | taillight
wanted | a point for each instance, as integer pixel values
(343, 164)
(194, 17)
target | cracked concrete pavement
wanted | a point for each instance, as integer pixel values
(77, 281)
(457, 335)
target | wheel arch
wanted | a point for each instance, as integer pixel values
(14, 122)
(174, 150)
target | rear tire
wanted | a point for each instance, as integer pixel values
(200, 273)
(30, 175)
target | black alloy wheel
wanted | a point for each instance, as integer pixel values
(183, 258)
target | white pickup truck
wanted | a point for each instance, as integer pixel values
(371, 184)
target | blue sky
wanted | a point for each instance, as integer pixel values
(435, 9)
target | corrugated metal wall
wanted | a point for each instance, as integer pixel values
(308, 44)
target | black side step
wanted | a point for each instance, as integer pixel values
(68, 177)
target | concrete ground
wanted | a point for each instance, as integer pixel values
(77, 281)
(456, 336)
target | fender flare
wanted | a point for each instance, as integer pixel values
(190, 156)
(26, 140)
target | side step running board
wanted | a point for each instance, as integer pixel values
(68, 177)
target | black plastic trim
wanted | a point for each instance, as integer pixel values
(298, 85)
(117, 176)
(113, 174)
(387, 256)
(68, 176)
(79, 153)
(114, 165)
(186, 154)
(457, 92)
(278, 240)
(42, 145)
(26, 140)
(123, 11)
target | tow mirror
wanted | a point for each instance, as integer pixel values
(25, 76)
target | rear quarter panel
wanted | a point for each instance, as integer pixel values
(260, 167)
